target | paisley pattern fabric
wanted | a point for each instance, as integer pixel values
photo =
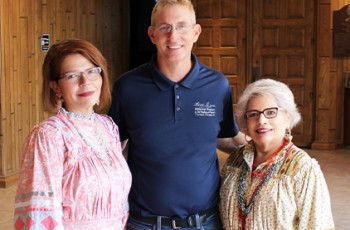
(295, 197)
(73, 175)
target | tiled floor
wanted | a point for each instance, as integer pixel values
(336, 168)
(7, 197)
(334, 164)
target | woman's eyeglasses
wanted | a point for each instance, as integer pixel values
(91, 74)
(255, 114)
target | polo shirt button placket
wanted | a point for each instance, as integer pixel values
(177, 102)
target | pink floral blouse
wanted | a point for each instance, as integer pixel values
(73, 175)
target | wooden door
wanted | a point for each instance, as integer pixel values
(222, 42)
(251, 39)
(283, 49)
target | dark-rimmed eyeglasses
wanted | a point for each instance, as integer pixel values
(91, 74)
(164, 29)
(255, 114)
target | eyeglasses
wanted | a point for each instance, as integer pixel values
(91, 74)
(164, 29)
(255, 114)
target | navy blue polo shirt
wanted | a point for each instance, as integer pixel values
(172, 130)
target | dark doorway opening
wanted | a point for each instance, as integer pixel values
(141, 48)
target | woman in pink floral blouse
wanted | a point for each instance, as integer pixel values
(73, 174)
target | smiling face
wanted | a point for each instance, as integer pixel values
(82, 95)
(175, 45)
(267, 134)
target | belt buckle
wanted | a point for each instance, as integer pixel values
(173, 223)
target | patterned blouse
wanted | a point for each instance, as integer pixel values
(73, 175)
(293, 196)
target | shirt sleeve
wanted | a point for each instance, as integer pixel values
(117, 114)
(313, 200)
(229, 127)
(38, 203)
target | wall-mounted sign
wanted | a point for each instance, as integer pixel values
(45, 42)
(341, 32)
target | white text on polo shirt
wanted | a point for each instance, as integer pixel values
(204, 109)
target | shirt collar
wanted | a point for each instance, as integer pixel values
(249, 152)
(164, 83)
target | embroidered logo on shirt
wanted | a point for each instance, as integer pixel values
(204, 109)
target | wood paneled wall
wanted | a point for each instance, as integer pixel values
(337, 5)
(329, 111)
(105, 23)
(102, 22)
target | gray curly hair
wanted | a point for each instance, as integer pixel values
(268, 87)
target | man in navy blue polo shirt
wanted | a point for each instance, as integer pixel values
(174, 112)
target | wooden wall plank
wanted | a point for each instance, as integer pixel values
(25, 78)
(6, 76)
(21, 25)
(324, 35)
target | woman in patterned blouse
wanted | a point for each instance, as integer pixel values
(270, 183)
(73, 174)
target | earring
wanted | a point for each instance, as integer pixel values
(59, 100)
(288, 134)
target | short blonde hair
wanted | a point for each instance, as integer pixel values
(268, 87)
(161, 4)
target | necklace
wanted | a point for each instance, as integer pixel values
(92, 135)
(244, 209)
(269, 162)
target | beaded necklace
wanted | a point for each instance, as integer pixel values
(244, 209)
(269, 162)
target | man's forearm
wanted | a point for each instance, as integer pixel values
(230, 144)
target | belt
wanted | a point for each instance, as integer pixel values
(190, 221)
